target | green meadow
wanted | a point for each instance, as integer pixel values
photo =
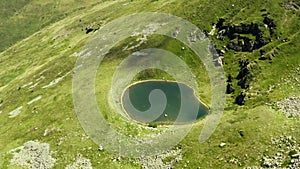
(40, 42)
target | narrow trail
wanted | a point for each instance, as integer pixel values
(281, 44)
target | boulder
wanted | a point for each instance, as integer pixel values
(229, 88)
(240, 99)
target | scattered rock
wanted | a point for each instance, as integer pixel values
(45, 132)
(55, 81)
(100, 148)
(80, 163)
(295, 156)
(241, 132)
(222, 144)
(291, 5)
(119, 159)
(287, 156)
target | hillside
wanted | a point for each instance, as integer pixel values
(257, 45)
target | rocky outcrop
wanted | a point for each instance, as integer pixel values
(244, 78)
(238, 35)
(229, 88)
(244, 37)
(90, 29)
(217, 55)
(240, 99)
(244, 75)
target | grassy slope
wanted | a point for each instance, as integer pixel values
(20, 19)
(47, 52)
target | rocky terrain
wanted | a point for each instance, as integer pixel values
(33, 155)
(290, 106)
(165, 160)
(286, 157)
(244, 38)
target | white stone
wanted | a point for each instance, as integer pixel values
(222, 144)
(15, 112)
(100, 148)
(35, 99)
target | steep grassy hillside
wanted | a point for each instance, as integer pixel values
(40, 42)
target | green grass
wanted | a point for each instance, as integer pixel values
(38, 38)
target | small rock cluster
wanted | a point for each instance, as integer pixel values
(291, 5)
(290, 106)
(80, 163)
(33, 155)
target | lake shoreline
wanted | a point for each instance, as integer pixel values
(157, 80)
